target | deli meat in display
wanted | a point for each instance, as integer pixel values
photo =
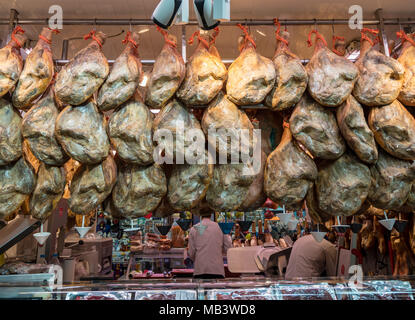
(10, 133)
(355, 130)
(81, 132)
(289, 173)
(407, 59)
(37, 72)
(139, 190)
(177, 119)
(38, 128)
(188, 184)
(316, 128)
(380, 77)
(91, 185)
(251, 76)
(11, 62)
(123, 79)
(394, 129)
(342, 185)
(130, 132)
(392, 180)
(49, 189)
(17, 181)
(330, 77)
(84, 73)
(229, 186)
(205, 75)
(167, 75)
(291, 77)
(221, 120)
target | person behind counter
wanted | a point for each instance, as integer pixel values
(207, 244)
(310, 258)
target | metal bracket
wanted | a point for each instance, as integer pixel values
(385, 46)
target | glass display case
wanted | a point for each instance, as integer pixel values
(250, 288)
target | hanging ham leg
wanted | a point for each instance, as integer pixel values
(78, 80)
(11, 63)
(37, 72)
(124, 76)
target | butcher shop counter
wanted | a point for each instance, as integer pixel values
(243, 288)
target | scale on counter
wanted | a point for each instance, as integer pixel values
(16, 230)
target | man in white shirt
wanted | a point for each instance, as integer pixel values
(310, 258)
(207, 245)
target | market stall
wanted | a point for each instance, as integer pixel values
(114, 148)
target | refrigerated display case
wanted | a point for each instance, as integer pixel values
(250, 288)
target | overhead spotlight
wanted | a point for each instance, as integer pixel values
(204, 14)
(165, 13)
(222, 10)
(183, 14)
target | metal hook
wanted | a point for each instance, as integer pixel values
(95, 24)
(315, 24)
(399, 22)
(332, 27)
(130, 26)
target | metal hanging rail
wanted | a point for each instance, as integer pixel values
(380, 22)
(249, 22)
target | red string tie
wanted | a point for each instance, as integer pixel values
(129, 39)
(277, 33)
(214, 36)
(402, 35)
(197, 33)
(91, 34)
(56, 31)
(166, 36)
(318, 36)
(365, 37)
(247, 36)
